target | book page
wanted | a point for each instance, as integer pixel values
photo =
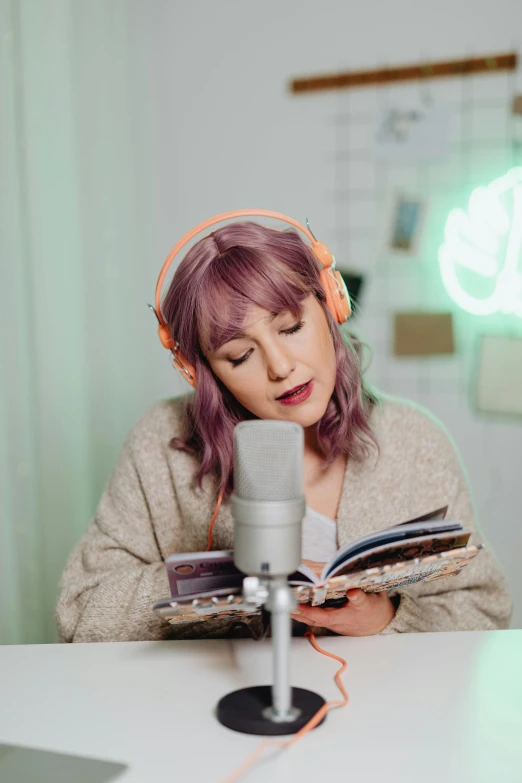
(425, 525)
(390, 554)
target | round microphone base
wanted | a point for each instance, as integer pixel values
(248, 711)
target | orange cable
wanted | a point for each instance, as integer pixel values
(211, 526)
(312, 723)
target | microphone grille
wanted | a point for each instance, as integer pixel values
(268, 460)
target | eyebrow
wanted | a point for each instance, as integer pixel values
(241, 335)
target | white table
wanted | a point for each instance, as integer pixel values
(423, 707)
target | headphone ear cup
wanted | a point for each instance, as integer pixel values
(342, 299)
(337, 297)
(184, 367)
(323, 254)
(327, 281)
(181, 364)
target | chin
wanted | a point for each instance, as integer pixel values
(307, 417)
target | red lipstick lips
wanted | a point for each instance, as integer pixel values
(296, 395)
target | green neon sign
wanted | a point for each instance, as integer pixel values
(482, 249)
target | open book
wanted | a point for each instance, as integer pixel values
(204, 584)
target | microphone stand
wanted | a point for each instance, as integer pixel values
(268, 506)
(280, 602)
(279, 708)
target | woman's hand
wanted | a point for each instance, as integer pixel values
(365, 614)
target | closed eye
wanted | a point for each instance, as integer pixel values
(293, 329)
(237, 362)
(242, 359)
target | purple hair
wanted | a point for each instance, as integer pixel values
(221, 276)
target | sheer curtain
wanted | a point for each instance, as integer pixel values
(79, 356)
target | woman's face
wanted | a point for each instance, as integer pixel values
(277, 353)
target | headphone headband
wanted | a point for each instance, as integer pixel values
(223, 217)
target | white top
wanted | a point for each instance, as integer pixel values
(319, 541)
(423, 707)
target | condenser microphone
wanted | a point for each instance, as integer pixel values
(268, 506)
(268, 503)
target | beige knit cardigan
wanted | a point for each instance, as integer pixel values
(150, 509)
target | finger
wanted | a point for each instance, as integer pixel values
(312, 615)
(358, 599)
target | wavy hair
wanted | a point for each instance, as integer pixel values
(220, 277)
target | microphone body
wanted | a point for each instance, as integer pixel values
(267, 535)
(268, 503)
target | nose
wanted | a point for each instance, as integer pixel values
(280, 363)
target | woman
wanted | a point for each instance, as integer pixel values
(256, 333)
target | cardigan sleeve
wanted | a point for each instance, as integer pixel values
(478, 597)
(116, 571)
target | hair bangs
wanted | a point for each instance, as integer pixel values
(238, 280)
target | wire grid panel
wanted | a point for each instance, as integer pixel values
(482, 145)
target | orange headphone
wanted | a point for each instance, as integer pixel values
(337, 298)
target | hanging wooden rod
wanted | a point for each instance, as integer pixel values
(429, 70)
